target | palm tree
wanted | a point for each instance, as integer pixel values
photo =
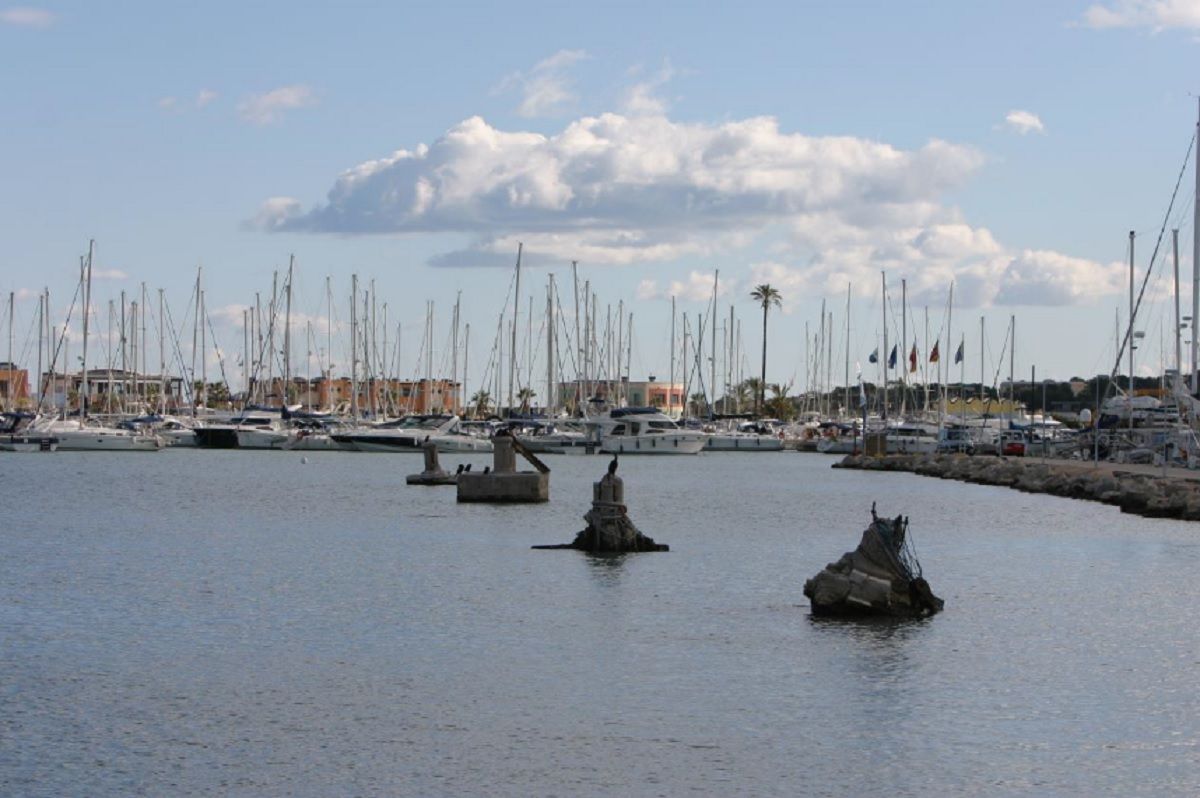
(482, 401)
(766, 296)
(526, 396)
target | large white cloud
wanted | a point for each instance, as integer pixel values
(617, 172)
(641, 189)
(1154, 14)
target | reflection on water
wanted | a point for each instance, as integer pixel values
(242, 623)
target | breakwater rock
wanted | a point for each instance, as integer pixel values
(1143, 492)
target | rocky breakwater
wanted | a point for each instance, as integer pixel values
(1146, 492)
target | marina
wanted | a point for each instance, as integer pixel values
(508, 400)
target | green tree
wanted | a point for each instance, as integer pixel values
(766, 296)
(526, 396)
(482, 401)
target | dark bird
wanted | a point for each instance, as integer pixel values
(460, 469)
(468, 468)
(612, 467)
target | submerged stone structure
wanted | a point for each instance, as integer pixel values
(1140, 490)
(609, 528)
(504, 484)
(433, 474)
(879, 578)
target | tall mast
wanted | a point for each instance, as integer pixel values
(287, 334)
(203, 353)
(354, 346)
(87, 308)
(1131, 328)
(925, 361)
(41, 324)
(455, 385)
(11, 368)
(578, 340)
(1012, 356)
(162, 355)
(884, 355)
(671, 389)
(550, 328)
(512, 354)
(1178, 346)
(981, 339)
(847, 407)
(1131, 333)
(828, 368)
(904, 340)
(1196, 265)
(466, 356)
(712, 383)
(247, 337)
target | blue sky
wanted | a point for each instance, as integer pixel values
(1007, 146)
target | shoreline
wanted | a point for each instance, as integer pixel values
(1150, 491)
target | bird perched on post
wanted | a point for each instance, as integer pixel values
(612, 467)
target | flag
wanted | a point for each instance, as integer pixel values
(958, 356)
(892, 357)
(874, 356)
(934, 356)
(862, 393)
(912, 358)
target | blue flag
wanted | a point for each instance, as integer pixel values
(874, 357)
(958, 356)
(892, 357)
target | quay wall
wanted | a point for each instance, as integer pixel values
(1140, 490)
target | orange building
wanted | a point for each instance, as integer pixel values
(14, 387)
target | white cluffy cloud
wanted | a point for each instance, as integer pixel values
(26, 17)
(644, 189)
(269, 107)
(698, 287)
(546, 88)
(1024, 122)
(1157, 15)
(204, 97)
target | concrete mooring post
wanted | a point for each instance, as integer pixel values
(433, 474)
(504, 483)
(609, 528)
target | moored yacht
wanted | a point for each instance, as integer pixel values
(409, 433)
(644, 430)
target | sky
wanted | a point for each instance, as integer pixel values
(1006, 149)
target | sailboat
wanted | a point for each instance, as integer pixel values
(83, 433)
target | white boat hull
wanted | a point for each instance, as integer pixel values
(106, 441)
(743, 443)
(653, 444)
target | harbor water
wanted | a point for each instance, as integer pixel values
(271, 624)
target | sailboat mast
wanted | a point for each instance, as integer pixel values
(1195, 375)
(550, 328)
(512, 354)
(1131, 328)
(904, 340)
(1178, 345)
(354, 346)
(981, 339)
(287, 333)
(847, 375)
(712, 383)
(671, 389)
(884, 355)
(87, 305)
